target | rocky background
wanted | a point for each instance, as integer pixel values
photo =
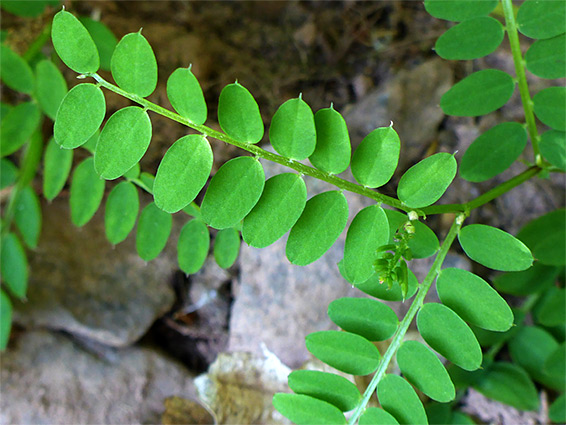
(106, 338)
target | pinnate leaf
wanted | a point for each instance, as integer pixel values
(121, 212)
(398, 398)
(459, 10)
(375, 415)
(50, 87)
(18, 126)
(154, 227)
(305, 410)
(27, 215)
(226, 247)
(57, 164)
(14, 265)
(238, 114)
(186, 97)
(542, 19)
(87, 190)
(545, 58)
(333, 150)
(553, 148)
(16, 73)
(550, 107)
(193, 245)
(5, 319)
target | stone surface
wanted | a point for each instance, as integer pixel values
(80, 284)
(47, 379)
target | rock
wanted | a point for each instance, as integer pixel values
(80, 284)
(46, 378)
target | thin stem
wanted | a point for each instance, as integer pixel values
(413, 310)
(513, 35)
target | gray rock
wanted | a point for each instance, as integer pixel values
(46, 379)
(80, 284)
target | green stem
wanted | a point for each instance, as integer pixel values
(413, 310)
(513, 35)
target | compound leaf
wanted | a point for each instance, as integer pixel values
(87, 190)
(57, 164)
(278, 209)
(182, 173)
(17, 127)
(323, 219)
(553, 148)
(122, 142)
(154, 227)
(478, 94)
(398, 398)
(226, 247)
(375, 415)
(550, 107)
(27, 215)
(103, 38)
(8, 173)
(233, 192)
(186, 97)
(238, 114)
(545, 58)
(368, 231)
(333, 150)
(16, 73)
(5, 319)
(376, 158)
(133, 65)
(474, 300)
(377, 289)
(121, 212)
(369, 318)
(79, 116)
(449, 335)
(425, 182)
(424, 242)
(14, 265)
(459, 10)
(494, 248)
(73, 43)
(493, 152)
(50, 87)
(424, 370)
(470, 39)
(193, 245)
(328, 387)
(542, 19)
(305, 410)
(292, 132)
(545, 237)
(345, 351)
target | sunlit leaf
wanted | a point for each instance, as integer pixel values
(18, 126)
(323, 219)
(14, 265)
(226, 247)
(545, 58)
(542, 19)
(5, 319)
(27, 215)
(182, 173)
(121, 212)
(16, 73)
(50, 87)
(154, 227)
(8, 173)
(553, 148)
(193, 245)
(459, 10)
(375, 415)
(90, 144)
(545, 237)
(133, 173)
(398, 398)
(550, 107)
(238, 114)
(380, 290)
(186, 97)
(280, 206)
(305, 410)
(87, 190)
(333, 150)
(103, 38)
(122, 142)
(56, 168)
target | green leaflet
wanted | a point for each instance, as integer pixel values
(369, 318)
(542, 19)
(473, 300)
(122, 142)
(133, 173)
(292, 132)
(280, 206)
(478, 94)
(193, 245)
(494, 248)
(489, 338)
(376, 289)
(534, 279)
(493, 152)
(79, 116)
(56, 168)
(14, 265)
(154, 226)
(5, 319)
(376, 158)
(238, 114)
(368, 231)
(551, 309)
(545, 237)
(459, 10)
(557, 410)
(16, 73)
(375, 415)
(226, 247)
(133, 65)
(425, 182)
(27, 215)
(8, 173)
(424, 242)
(193, 210)
(50, 87)
(449, 335)
(31, 9)
(333, 150)
(147, 179)
(424, 370)
(182, 173)
(328, 387)
(550, 107)
(305, 410)
(233, 192)
(30, 159)
(545, 58)
(186, 97)
(398, 398)
(18, 126)
(345, 351)
(553, 148)
(90, 144)
(555, 364)
(87, 190)
(470, 39)
(121, 212)
(73, 44)
(103, 38)
(509, 384)
(323, 219)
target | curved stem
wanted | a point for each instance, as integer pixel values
(413, 310)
